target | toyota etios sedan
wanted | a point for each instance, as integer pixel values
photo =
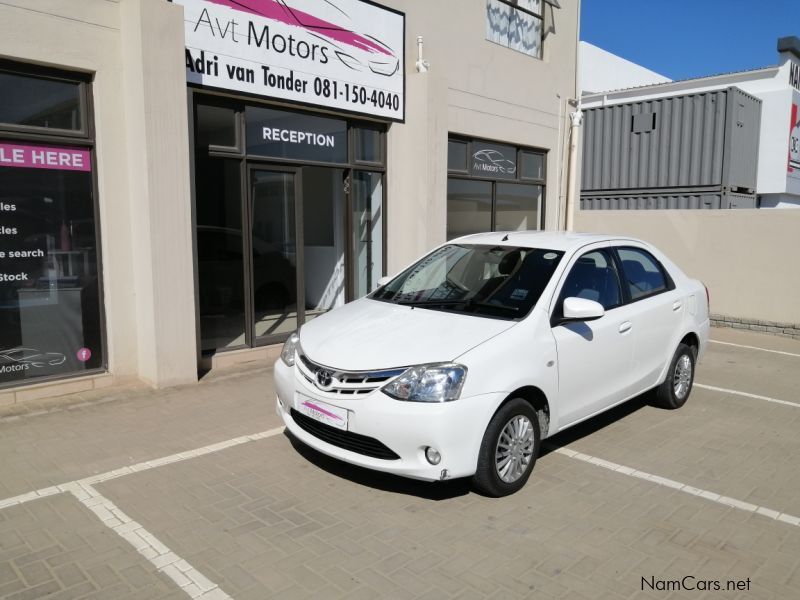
(460, 365)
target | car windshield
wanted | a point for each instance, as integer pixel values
(491, 281)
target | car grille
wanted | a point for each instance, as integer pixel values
(344, 383)
(347, 440)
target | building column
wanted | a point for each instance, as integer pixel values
(157, 145)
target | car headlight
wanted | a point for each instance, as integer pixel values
(289, 349)
(428, 383)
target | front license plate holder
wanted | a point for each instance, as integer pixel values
(323, 412)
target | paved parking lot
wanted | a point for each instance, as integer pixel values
(195, 492)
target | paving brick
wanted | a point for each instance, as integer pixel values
(70, 575)
(36, 573)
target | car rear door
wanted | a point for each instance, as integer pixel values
(594, 357)
(656, 309)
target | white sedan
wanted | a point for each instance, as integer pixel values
(460, 365)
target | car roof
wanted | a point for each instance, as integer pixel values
(549, 240)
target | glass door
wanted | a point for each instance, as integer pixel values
(366, 227)
(323, 267)
(273, 250)
(298, 247)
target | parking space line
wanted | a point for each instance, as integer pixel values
(185, 576)
(746, 394)
(681, 487)
(754, 348)
(189, 579)
(138, 467)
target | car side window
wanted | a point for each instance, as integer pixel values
(642, 272)
(594, 277)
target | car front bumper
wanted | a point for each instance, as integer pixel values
(455, 428)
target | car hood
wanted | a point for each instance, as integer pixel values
(370, 334)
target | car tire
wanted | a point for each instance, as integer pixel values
(515, 453)
(676, 387)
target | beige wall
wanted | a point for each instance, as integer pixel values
(134, 49)
(747, 258)
(475, 88)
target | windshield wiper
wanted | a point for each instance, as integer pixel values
(468, 302)
(495, 305)
(431, 302)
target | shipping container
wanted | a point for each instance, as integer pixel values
(689, 200)
(707, 139)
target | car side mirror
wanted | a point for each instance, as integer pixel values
(581, 309)
(384, 280)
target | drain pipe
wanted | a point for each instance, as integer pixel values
(576, 120)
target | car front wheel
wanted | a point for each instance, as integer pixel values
(508, 450)
(674, 391)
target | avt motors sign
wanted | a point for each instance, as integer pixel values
(341, 54)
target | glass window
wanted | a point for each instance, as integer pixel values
(642, 272)
(517, 206)
(469, 207)
(368, 144)
(498, 281)
(50, 311)
(456, 155)
(367, 220)
(494, 161)
(220, 253)
(36, 102)
(532, 164)
(594, 277)
(515, 24)
(216, 126)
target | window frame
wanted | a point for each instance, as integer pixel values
(557, 315)
(669, 283)
(247, 162)
(518, 179)
(85, 139)
(84, 81)
(513, 4)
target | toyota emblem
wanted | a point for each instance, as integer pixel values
(324, 378)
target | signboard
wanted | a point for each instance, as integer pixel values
(341, 54)
(283, 134)
(495, 161)
(794, 75)
(44, 157)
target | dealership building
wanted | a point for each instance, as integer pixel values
(182, 184)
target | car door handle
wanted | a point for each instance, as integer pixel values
(677, 305)
(625, 327)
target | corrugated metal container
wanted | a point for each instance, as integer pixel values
(698, 200)
(696, 140)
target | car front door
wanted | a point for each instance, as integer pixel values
(656, 313)
(594, 357)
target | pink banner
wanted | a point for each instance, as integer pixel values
(44, 157)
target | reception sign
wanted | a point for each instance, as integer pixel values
(341, 54)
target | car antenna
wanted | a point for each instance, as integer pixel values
(505, 238)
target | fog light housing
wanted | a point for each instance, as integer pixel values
(433, 456)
